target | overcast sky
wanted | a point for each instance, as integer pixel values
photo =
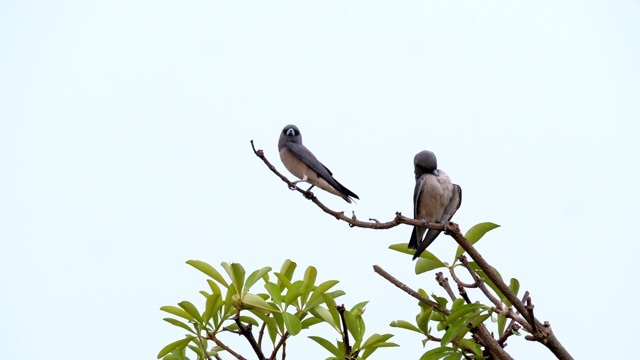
(124, 152)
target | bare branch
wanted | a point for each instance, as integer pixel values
(281, 343)
(444, 282)
(353, 221)
(213, 337)
(409, 290)
(345, 333)
(479, 282)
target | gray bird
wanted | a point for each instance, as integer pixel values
(435, 199)
(303, 164)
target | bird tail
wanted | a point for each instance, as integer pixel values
(431, 236)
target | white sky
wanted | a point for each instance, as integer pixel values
(124, 152)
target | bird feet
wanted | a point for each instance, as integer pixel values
(444, 227)
(294, 185)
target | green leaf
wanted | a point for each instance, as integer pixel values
(279, 318)
(191, 309)
(454, 356)
(427, 262)
(255, 276)
(457, 303)
(177, 354)
(359, 308)
(475, 234)
(239, 273)
(292, 323)
(214, 287)
(370, 349)
(440, 300)
(272, 328)
(177, 312)
(422, 319)
(327, 345)
(293, 293)
(334, 294)
(471, 345)
(331, 306)
(208, 270)
(175, 345)
(323, 314)
(376, 339)
(403, 324)
(286, 272)
(308, 282)
(275, 292)
(180, 324)
(454, 330)
(213, 305)
(437, 353)
(249, 320)
(514, 285)
(252, 301)
(461, 311)
(353, 326)
(197, 350)
(316, 296)
(310, 321)
(502, 322)
(403, 248)
(283, 282)
(479, 320)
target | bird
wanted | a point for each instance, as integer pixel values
(435, 199)
(305, 166)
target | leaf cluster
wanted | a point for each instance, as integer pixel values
(281, 309)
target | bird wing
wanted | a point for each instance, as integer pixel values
(418, 232)
(314, 164)
(440, 211)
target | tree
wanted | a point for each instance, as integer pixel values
(287, 307)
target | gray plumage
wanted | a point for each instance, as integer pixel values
(435, 199)
(305, 166)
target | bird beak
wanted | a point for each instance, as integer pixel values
(290, 132)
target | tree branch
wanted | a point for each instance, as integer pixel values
(543, 333)
(444, 282)
(345, 333)
(246, 332)
(213, 337)
(481, 331)
(280, 344)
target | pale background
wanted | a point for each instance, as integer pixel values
(124, 152)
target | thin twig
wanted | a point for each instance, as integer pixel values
(479, 282)
(460, 282)
(204, 348)
(444, 282)
(409, 290)
(280, 344)
(213, 337)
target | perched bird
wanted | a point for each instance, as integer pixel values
(303, 164)
(435, 199)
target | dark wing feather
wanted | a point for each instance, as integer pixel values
(449, 211)
(314, 164)
(416, 234)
